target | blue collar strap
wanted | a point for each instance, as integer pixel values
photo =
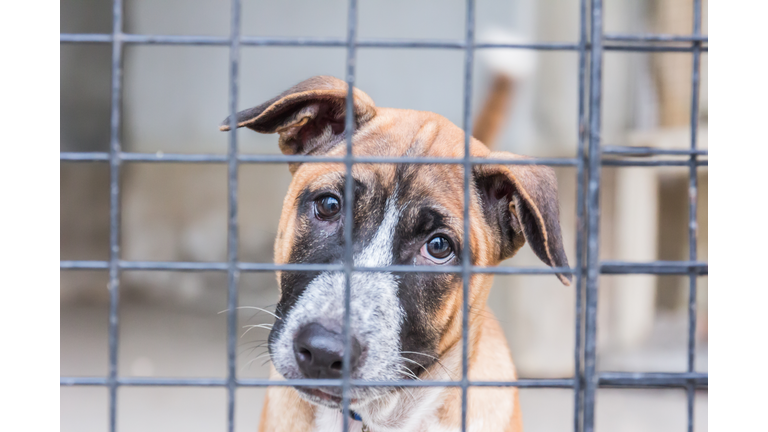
(355, 416)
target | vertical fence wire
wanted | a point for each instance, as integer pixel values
(115, 148)
(466, 253)
(580, 223)
(692, 212)
(593, 202)
(233, 273)
(349, 196)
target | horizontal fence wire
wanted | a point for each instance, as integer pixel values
(607, 379)
(651, 151)
(606, 267)
(591, 155)
(161, 157)
(624, 37)
(330, 42)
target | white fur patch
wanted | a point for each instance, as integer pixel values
(376, 315)
(330, 420)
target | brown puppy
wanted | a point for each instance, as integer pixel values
(406, 325)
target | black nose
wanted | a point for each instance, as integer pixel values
(319, 352)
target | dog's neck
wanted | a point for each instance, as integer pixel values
(410, 408)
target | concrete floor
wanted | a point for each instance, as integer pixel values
(165, 341)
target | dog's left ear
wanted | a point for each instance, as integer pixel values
(521, 204)
(310, 116)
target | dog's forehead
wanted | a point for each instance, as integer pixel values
(401, 133)
(398, 132)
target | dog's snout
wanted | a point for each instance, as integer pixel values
(319, 352)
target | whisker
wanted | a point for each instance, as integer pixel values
(253, 307)
(430, 356)
(252, 349)
(416, 363)
(251, 342)
(266, 354)
(250, 362)
(406, 390)
(253, 326)
(409, 392)
(410, 373)
(419, 353)
(264, 326)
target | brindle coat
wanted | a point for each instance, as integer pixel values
(410, 318)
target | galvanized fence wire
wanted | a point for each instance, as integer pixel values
(233, 272)
(114, 207)
(693, 196)
(593, 215)
(349, 195)
(593, 42)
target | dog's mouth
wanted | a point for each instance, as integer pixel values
(331, 396)
(328, 396)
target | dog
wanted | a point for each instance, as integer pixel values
(404, 325)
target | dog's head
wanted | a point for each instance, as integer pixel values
(405, 214)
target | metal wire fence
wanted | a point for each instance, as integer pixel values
(593, 42)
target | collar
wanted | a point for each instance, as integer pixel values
(354, 416)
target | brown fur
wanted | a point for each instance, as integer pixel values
(389, 132)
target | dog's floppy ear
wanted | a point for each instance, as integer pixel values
(520, 201)
(310, 116)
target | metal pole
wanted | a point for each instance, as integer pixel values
(692, 212)
(349, 197)
(233, 272)
(466, 269)
(593, 202)
(115, 147)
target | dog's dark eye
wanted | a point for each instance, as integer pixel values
(327, 207)
(437, 249)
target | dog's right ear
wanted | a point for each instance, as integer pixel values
(521, 203)
(310, 116)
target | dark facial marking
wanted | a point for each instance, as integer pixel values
(422, 295)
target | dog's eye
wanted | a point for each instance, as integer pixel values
(327, 207)
(437, 249)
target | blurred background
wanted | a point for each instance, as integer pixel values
(174, 99)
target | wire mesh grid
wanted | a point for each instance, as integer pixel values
(593, 42)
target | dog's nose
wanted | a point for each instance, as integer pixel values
(320, 352)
